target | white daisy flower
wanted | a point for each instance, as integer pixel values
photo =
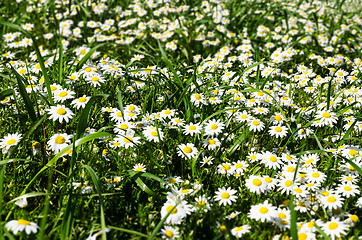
(60, 113)
(225, 196)
(22, 225)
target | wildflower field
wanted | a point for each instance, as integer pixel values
(180, 119)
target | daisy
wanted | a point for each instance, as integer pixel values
(139, 167)
(240, 166)
(270, 160)
(22, 225)
(310, 159)
(177, 214)
(225, 168)
(327, 117)
(62, 95)
(213, 127)
(187, 151)
(192, 129)
(348, 190)
(278, 131)
(198, 99)
(80, 102)
(153, 134)
(263, 212)
(22, 202)
(203, 203)
(168, 113)
(240, 231)
(335, 228)
(315, 176)
(128, 139)
(256, 184)
(59, 141)
(10, 140)
(123, 126)
(169, 233)
(60, 113)
(277, 119)
(285, 185)
(206, 160)
(211, 143)
(225, 196)
(243, 116)
(255, 125)
(332, 201)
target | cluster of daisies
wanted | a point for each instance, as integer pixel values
(272, 113)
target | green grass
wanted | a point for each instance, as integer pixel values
(149, 75)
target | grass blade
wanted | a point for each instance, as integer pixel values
(128, 231)
(97, 185)
(28, 105)
(159, 225)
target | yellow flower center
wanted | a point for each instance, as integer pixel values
(11, 141)
(347, 188)
(169, 234)
(333, 225)
(198, 96)
(315, 175)
(119, 114)
(244, 116)
(298, 190)
(326, 115)
(273, 159)
(349, 178)
(61, 111)
(184, 191)
(167, 112)
(354, 218)
(278, 129)
(127, 139)
(332, 199)
(23, 222)
(239, 229)
(88, 69)
(187, 149)
(201, 203)
(36, 145)
(226, 167)
(169, 208)
(63, 94)
(290, 169)
(192, 128)
(268, 179)
(288, 183)
(211, 142)
(213, 126)
(257, 182)
(302, 236)
(239, 165)
(82, 99)
(256, 123)
(154, 133)
(352, 152)
(95, 79)
(131, 108)
(59, 140)
(225, 195)
(263, 210)
(282, 215)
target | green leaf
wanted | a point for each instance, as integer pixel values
(6, 93)
(82, 123)
(141, 184)
(97, 185)
(128, 231)
(25, 96)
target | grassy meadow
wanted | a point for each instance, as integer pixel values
(180, 119)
